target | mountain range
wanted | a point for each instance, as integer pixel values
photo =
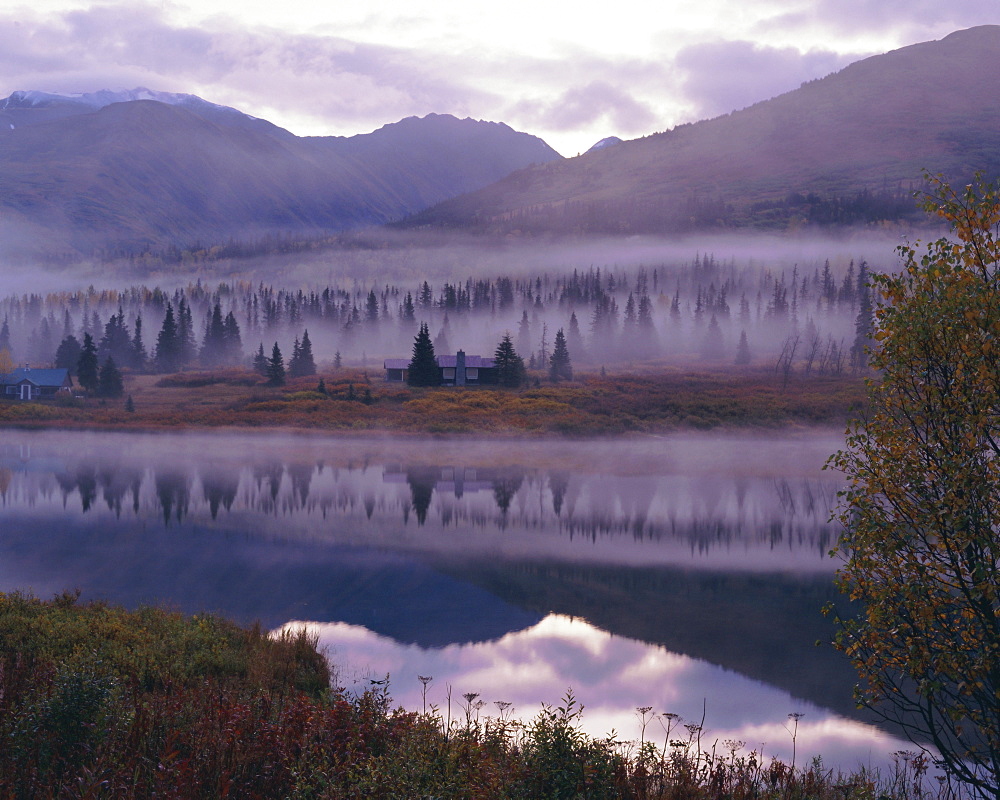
(126, 172)
(845, 149)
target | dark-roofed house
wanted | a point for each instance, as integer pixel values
(25, 383)
(456, 370)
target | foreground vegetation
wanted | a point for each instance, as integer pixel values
(96, 701)
(593, 404)
(920, 515)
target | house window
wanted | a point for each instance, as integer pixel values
(472, 373)
(448, 373)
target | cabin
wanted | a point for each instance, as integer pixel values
(25, 383)
(457, 370)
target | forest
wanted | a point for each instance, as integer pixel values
(700, 313)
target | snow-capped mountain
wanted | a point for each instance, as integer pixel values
(104, 97)
(31, 107)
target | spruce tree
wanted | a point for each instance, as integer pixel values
(864, 323)
(86, 365)
(116, 342)
(5, 336)
(68, 354)
(109, 382)
(743, 350)
(233, 342)
(407, 313)
(276, 368)
(186, 347)
(423, 369)
(509, 365)
(139, 354)
(307, 364)
(213, 346)
(560, 367)
(167, 358)
(293, 362)
(260, 361)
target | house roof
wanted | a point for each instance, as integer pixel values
(39, 377)
(475, 362)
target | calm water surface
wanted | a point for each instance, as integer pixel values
(684, 573)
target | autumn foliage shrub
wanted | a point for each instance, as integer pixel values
(97, 701)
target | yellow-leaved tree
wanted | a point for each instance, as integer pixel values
(921, 514)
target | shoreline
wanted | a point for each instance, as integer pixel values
(629, 405)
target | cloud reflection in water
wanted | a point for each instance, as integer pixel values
(612, 676)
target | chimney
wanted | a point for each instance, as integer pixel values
(460, 368)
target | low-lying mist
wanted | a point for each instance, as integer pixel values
(698, 301)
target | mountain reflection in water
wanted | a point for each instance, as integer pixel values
(714, 547)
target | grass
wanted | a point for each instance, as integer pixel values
(97, 701)
(647, 401)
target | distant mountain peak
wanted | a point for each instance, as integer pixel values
(607, 141)
(105, 97)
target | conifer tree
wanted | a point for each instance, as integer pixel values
(276, 368)
(864, 323)
(167, 356)
(109, 382)
(743, 350)
(186, 347)
(407, 313)
(233, 341)
(116, 342)
(87, 374)
(712, 344)
(5, 337)
(423, 369)
(293, 362)
(509, 365)
(139, 354)
(574, 339)
(213, 345)
(307, 364)
(68, 354)
(560, 367)
(260, 361)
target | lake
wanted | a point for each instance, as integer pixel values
(683, 573)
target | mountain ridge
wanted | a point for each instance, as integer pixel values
(101, 174)
(856, 140)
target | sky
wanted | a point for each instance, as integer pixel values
(572, 73)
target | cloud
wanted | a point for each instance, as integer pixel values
(900, 21)
(723, 76)
(350, 73)
(321, 76)
(582, 106)
(325, 83)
